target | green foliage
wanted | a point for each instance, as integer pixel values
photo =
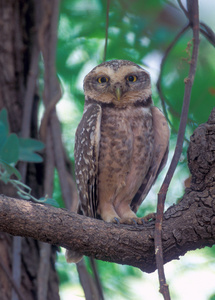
(6, 171)
(139, 32)
(9, 145)
(108, 274)
(14, 149)
(27, 148)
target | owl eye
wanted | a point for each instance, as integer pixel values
(131, 78)
(103, 79)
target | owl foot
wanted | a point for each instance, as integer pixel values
(138, 221)
(131, 221)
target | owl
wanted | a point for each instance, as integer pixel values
(121, 142)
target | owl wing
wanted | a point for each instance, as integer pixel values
(161, 149)
(86, 158)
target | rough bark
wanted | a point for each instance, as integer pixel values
(187, 226)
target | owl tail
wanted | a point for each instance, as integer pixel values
(73, 256)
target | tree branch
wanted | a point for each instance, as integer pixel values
(186, 226)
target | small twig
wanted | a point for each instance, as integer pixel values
(106, 30)
(194, 21)
(183, 9)
(204, 29)
(208, 33)
(159, 86)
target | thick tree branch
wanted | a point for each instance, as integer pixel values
(186, 226)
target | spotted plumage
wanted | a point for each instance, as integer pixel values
(121, 142)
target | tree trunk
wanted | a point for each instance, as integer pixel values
(18, 32)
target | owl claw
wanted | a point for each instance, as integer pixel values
(116, 220)
(137, 221)
(134, 221)
(129, 221)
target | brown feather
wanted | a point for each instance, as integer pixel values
(86, 157)
(160, 155)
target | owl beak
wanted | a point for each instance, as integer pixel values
(118, 92)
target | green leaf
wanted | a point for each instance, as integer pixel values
(31, 144)
(9, 169)
(10, 149)
(49, 201)
(3, 134)
(4, 120)
(27, 148)
(25, 155)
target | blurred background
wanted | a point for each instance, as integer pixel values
(140, 31)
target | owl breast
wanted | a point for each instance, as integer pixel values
(126, 148)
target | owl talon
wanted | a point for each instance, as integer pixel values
(128, 221)
(116, 220)
(134, 221)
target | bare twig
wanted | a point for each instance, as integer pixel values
(204, 29)
(183, 9)
(159, 86)
(208, 33)
(106, 30)
(194, 21)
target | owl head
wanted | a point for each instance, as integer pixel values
(120, 82)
